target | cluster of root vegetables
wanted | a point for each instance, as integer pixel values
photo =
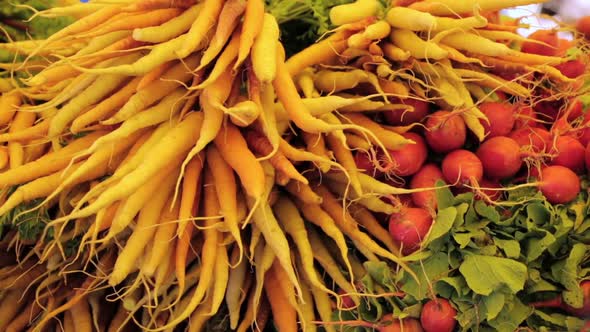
(179, 168)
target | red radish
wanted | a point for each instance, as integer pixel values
(364, 163)
(409, 227)
(548, 107)
(584, 135)
(445, 131)
(404, 118)
(548, 37)
(587, 156)
(525, 117)
(462, 167)
(572, 68)
(561, 126)
(438, 316)
(569, 153)
(559, 184)
(391, 324)
(347, 302)
(500, 118)
(586, 327)
(551, 303)
(583, 312)
(426, 178)
(575, 109)
(408, 160)
(491, 189)
(583, 26)
(500, 157)
(532, 139)
(583, 129)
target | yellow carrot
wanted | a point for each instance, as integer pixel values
(251, 28)
(22, 121)
(262, 55)
(205, 21)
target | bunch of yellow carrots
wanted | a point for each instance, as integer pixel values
(185, 167)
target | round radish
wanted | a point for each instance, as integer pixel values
(584, 130)
(445, 131)
(490, 188)
(500, 118)
(525, 116)
(569, 153)
(404, 118)
(558, 302)
(347, 302)
(583, 26)
(572, 68)
(438, 316)
(548, 107)
(559, 184)
(548, 37)
(426, 177)
(561, 126)
(462, 167)
(391, 324)
(575, 109)
(409, 227)
(532, 139)
(408, 160)
(584, 135)
(584, 311)
(587, 156)
(500, 157)
(364, 163)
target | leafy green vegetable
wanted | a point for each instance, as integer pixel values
(302, 22)
(30, 224)
(485, 274)
(15, 24)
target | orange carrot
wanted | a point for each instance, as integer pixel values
(191, 196)
(234, 149)
(284, 315)
(154, 74)
(261, 145)
(250, 29)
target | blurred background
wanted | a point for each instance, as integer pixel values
(568, 11)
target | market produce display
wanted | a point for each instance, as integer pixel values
(178, 165)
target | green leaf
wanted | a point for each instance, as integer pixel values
(566, 272)
(346, 315)
(511, 316)
(464, 239)
(511, 248)
(538, 213)
(536, 246)
(553, 319)
(494, 304)
(467, 317)
(458, 285)
(460, 219)
(487, 211)
(485, 274)
(442, 224)
(536, 283)
(381, 273)
(574, 323)
(444, 196)
(428, 271)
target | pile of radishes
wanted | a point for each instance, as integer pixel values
(545, 144)
(542, 142)
(514, 152)
(438, 315)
